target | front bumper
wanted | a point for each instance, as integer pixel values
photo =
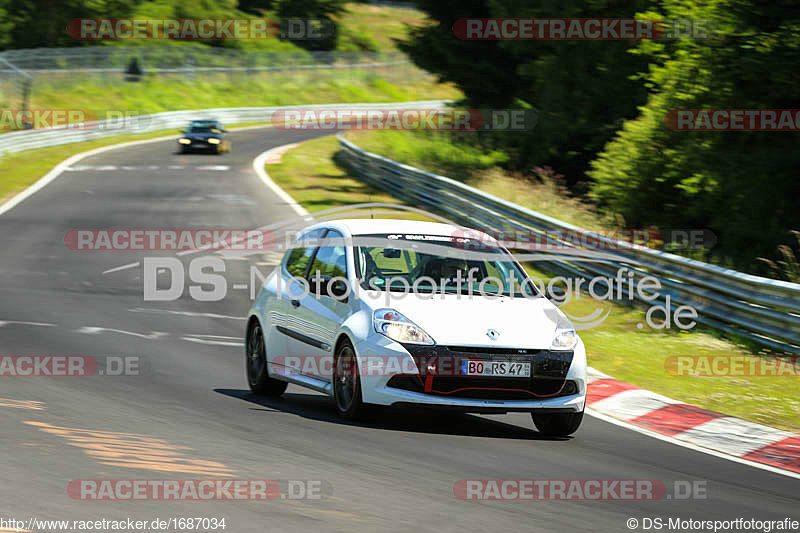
(552, 387)
(200, 145)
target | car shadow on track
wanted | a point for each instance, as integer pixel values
(419, 420)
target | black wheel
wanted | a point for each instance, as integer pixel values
(557, 424)
(217, 150)
(256, 362)
(347, 383)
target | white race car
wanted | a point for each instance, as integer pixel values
(398, 312)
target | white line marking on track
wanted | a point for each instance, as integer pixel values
(214, 167)
(67, 163)
(123, 267)
(184, 313)
(23, 323)
(215, 340)
(94, 330)
(258, 166)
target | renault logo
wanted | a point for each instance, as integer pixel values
(493, 333)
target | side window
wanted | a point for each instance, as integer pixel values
(330, 260)
(298, 258)
(298, 261)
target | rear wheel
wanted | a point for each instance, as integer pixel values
(557, 424)
(257, 375)
(347, 383)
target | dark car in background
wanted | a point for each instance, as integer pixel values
(205, 135)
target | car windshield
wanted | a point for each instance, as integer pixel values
(439, 263)
(204, 127)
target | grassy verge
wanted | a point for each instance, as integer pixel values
(310, 175)
(469, 163)
(617, 347)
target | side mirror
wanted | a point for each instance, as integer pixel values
(322, 286)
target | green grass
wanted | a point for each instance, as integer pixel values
(157, 94)
(310, 175)
(617, 347)
(375, 28)
(467, 162)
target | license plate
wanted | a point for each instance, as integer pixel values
(510, 369)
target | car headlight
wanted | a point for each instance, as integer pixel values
(213, 141)
(564, 339)
(394, 325)
(184, 141)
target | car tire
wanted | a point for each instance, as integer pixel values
(557, 424)
(347, 384)
(256, 365)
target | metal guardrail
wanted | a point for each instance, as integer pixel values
(30, 139)
(763, 310)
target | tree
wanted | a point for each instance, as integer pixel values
(582, 91)
(5, 24)
(42, 23)
(741, 185)
(321, 11)
(255, 7)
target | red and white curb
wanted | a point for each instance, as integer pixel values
(692, 425)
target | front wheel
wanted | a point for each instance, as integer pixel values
(347, 384)
(257, 375)
(557, 424)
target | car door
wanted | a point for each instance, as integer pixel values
(322, 315)
(285, 317)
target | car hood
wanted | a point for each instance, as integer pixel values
(453, 321)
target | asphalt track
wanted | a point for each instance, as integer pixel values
(395, 473)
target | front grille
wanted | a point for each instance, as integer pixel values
(440, 373)
(484, 389)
